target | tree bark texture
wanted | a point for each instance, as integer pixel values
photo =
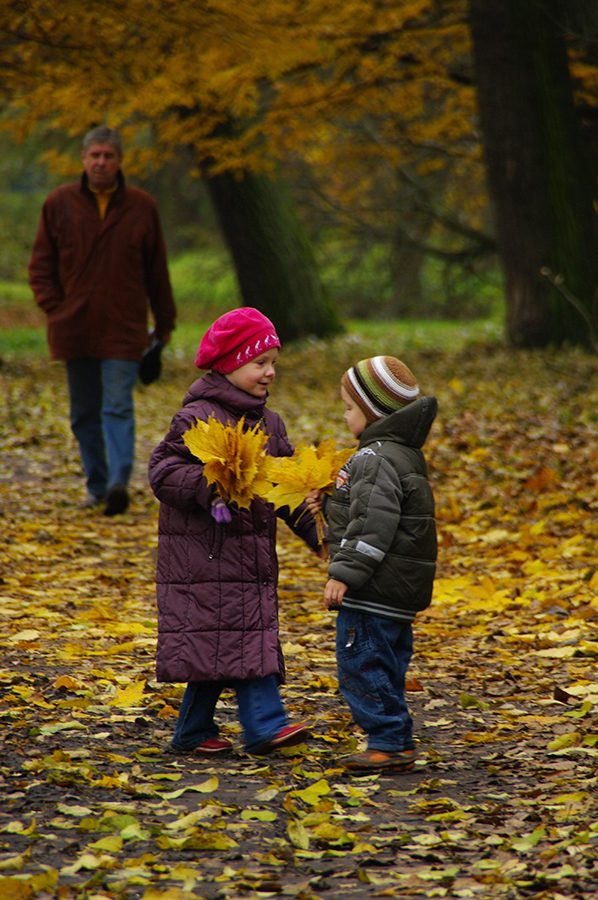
(539, 178)
(274, 262)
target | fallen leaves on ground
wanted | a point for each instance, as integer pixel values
(502, 802)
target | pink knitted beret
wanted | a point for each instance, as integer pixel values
(234, 339)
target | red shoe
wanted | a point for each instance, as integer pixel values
(214, 745)
(287, 737)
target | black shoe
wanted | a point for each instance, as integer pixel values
(117, 500)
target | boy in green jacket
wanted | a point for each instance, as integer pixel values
(382, 554)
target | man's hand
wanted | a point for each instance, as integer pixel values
(334, 593)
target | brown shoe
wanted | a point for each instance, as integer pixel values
(380, 761)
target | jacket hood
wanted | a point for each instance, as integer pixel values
(410, 425)
(217, 387)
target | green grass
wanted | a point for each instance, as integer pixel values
(204, 281)
(17, 342)
(390, 338)
(204, 286)
(425, 334)
(14, 292)
(372, 338)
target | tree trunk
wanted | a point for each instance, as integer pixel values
(274, 262)
(406, 263)
(539, 178)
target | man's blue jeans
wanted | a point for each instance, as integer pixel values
(102, 419)
(373, 655)
(261, 712)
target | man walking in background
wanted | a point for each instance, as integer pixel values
(98, 258)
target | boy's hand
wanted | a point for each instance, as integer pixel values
(334, 593)
(314, 501)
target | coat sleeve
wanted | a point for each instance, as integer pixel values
(43, 265)
(175, 475)
(376, 497)
(303, 524)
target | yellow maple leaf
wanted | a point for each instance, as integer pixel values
(233, 458)
(309, 469)
(129, 696)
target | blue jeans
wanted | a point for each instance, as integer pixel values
(102, 419)
(261, 712)
(373, 655)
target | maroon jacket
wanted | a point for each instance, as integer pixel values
(217, 583)
(93, 277)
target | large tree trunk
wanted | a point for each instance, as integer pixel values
(539, 178)
(275, 266)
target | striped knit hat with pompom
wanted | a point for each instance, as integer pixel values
(380, 386)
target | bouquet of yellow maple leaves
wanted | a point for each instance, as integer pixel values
(233, 458)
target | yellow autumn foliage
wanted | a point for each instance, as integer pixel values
(180, 69)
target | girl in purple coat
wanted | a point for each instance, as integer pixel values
(217, 569)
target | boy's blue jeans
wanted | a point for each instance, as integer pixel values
(261, 712)
(102, 419)
(373, 655)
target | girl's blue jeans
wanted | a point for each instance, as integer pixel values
(373, 655)
(261, 712)
(102, 419)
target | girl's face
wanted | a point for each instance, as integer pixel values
(354, 416)
(256, 376)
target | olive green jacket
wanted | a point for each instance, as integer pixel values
(381, 517)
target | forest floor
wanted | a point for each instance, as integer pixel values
(503, 691)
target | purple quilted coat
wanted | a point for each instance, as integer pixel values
(217, 583)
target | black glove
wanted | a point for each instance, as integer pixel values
(151, 363)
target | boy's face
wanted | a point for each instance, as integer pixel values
(354, 416)
(256, 376)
